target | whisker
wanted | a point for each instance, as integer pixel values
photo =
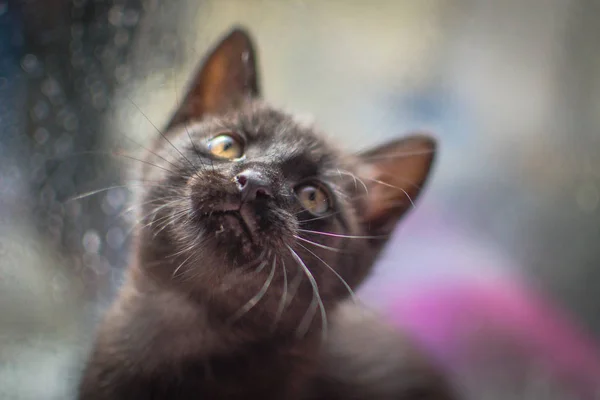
(294, 286)
(93, 192)
(262, 265)
(150, 151)
(144, 162)
(304, 324)
(162, 134)
(397, 155)
(185, 124)
(318, 218)
(356, 178)
(166, 220)
(153, 214)
(394, 187)
(114, 153)
(338, 235)
(318, 244)
(354, 299)
(181, 265)
(283, 297)
(257, 297)
(137, 206)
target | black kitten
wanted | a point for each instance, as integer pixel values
(255, 230)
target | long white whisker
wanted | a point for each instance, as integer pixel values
(163, 135)
(181, 265)
(93, 192)
(283, 297)
(318, 244)
(399, 155)
(355, 177)
(150, 151)
(305, 323)
(338, 235)
(254, 300)
(185, 123)
(294, 286)
(394, 187)
(354, 299)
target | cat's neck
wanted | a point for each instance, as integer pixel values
(187, 324)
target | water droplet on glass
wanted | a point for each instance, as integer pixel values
(130, 17)
(41, 135)
(116, 198)
(99, 101)
(91, 241)
(121, 38)
(168, 42)
(108, 55)
(59, 283)
(97, 87)
(70, 122)
(47, 195)
(73, 209)
(77, 60)
(76, 47)
(115, 237)
(57, 209)
(55, 222)
(40, 110)
(63, 145)
(37, 160)
(50, 88)
(30, 63)
(115, 15)
(77, 30)
(122, 73)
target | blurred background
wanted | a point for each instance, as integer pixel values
(497, 272)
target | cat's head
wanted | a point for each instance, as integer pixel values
(257, 212)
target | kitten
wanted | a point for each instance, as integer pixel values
(255, 231)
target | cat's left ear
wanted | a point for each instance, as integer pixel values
(394, 174)
(225, 79)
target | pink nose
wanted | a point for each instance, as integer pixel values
(252, 184)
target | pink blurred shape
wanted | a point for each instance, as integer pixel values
(471, 321)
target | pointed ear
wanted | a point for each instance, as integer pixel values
(394, 173)
(225, 79)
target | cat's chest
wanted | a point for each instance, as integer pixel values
(183, 358)
(254, 372)
(240, 378)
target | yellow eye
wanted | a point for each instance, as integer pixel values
(313, 198)
(226, 146)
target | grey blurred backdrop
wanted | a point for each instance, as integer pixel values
(511, 88)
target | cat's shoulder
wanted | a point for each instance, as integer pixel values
(365, 357)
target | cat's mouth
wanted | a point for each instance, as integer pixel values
(241, 228)
(238, 221)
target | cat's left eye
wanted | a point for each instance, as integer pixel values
(313, 199)
(226, 146)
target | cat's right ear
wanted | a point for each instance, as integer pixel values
(225, 79)
(394, 174)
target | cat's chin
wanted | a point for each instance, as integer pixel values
(236, 233)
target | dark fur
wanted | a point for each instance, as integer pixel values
(170, 333)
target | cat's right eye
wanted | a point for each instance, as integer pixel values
(226, 146)
(313, 198)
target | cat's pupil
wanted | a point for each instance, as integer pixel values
(312, 196)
